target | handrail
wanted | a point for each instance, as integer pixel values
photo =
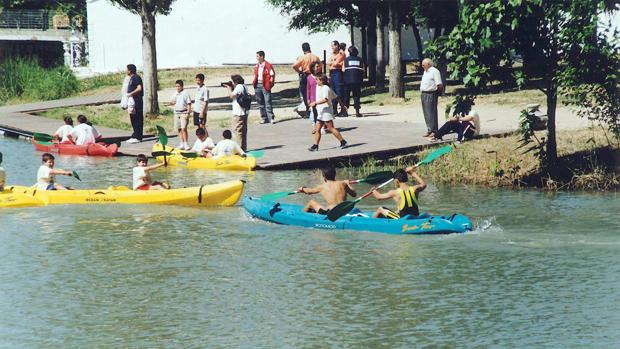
(26, 19)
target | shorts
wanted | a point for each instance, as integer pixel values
(325, 117)
(391, 214)
(144, 187)
(180, 120)
(198, 120)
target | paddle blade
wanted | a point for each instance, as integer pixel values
(42, 137)
(277, 195)
(255, 153)
(74, 174)
(189, 155)
(156, 154)
(434, 155)
(377, 177)
(340, 210)
(163, 137)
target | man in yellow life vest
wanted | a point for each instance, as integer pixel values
(405, 196)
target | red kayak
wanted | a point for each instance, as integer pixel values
(97, 149)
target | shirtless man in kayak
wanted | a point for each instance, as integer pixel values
(333, 191)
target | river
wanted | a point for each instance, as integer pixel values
(541, 270)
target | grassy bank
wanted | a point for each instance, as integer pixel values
(586, 163)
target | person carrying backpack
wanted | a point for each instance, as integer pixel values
(241, 102)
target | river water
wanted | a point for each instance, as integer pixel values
(541, 270)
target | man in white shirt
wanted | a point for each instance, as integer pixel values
(227, 146)
(201, 102)
(430, 87)
(84, 134)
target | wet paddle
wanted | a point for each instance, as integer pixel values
(346, 206)
(255, 153)
(75, 175)
(42, 137)
(163, 140)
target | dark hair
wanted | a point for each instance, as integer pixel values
(400, 175)
(353, 51)
(237, 79)
(313, 66)
(180, 82)
(329, 173)
(261, 53)
(200, 76)
(68, 120)
(343, 46)
(463, 107)
(46, 157)
(227, 134)
(0, 157)
(323, 79)
(335, 42)
(131, 68)
(200, 132)
(141, 157)
(82, 119)
(305, 47)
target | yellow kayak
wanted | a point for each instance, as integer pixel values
(222, 194)
(234, 162)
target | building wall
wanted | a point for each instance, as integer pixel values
(198, 33)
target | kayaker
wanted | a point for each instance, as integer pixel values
(405, 196)
(142, 177)
(227, 147)
(83, 133)
(203, 144)
(333, 191)
(2, 175)
(46, 173)
(63, 132)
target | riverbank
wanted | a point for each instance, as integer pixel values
(587, 161)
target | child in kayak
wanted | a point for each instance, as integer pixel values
(405, 196)
(227, 146)
(333, 191)
(2, 175)
(142, 177)
(203, 144)
(46, 173)
(63, 132)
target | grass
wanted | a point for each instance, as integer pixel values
(586, 162)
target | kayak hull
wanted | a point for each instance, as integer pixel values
(229, 163)
(97, 149)
(222, 194)
(424, 224)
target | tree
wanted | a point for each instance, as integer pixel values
(557, 42)
(397, 86)
(147, 10)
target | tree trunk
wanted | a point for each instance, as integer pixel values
(149, 57)
(418, 42)
(397, 88)
(552, 147)
(380, 78)
(371, 37)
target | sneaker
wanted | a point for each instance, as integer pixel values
(358, 114)
(264, 121)
(273, 122)
(132, 141)
(314, 147)
(180, 146)
(343, 144)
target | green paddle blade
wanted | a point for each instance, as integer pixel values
(277, 195)
(340, 210)
(163, 137)
(434, 155)
(156, 154)
(74, 174)
(189, 155)
(377, 177)
(42, 137)
(45, 143)
(255, 153)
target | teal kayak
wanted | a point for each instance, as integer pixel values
(423, 224)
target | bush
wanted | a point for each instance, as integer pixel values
(25, 79)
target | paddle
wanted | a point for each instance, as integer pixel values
(373, 178)
(346, 206)
(255, 153)
(75, 175)
(42, 137)
(163, 140)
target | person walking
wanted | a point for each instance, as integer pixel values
(135, 90)
(430, 87)
(302, 67)
(264, 79)
(335, 64)
(238, 93)
(353, 77)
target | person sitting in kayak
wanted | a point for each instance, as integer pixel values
(405, 196)
(227, 147)
(142, 177)
(203, 144)
(63, 132)
(46, 173)
(2, 175)
(84, 133)
(333, 191)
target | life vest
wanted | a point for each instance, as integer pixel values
(408, 202)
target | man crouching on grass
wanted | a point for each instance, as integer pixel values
(333, 191)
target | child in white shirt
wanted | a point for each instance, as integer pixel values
(63, 132)
(142, 177)
(46, 173)
(203, 144)
(182, 109)
(324, 96)
(227, 146)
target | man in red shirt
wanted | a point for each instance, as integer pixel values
(264, 79)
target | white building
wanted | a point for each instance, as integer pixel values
(198, 33)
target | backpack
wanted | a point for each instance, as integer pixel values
(244, 99)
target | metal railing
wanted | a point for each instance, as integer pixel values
(26, 19)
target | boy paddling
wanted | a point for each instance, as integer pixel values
(46, 173)
(333, 191)
(142, 175)
(405, 196)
